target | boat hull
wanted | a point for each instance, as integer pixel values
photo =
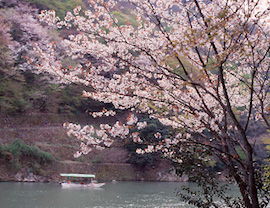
(76, 185)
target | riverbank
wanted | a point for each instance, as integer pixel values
(103, 172)
(46, 133)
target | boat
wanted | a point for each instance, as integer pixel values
(77, 185)
(91, 184)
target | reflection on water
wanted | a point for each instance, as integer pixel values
(119, 195)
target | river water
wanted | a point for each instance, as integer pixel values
(112, 195)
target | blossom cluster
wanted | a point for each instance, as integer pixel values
(165, 147)
(104, 112)
(97, 138)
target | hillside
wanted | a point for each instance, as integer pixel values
(46, 133)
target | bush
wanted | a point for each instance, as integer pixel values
(15, 164)
(71, 102)
(147, 134)
(97, 160)
(18, 148)
(36, 169)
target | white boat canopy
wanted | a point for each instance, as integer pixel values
(77, 175)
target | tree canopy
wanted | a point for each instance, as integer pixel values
(201, 67)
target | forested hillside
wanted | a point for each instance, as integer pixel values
(22, 88)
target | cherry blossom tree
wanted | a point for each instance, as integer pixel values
(201, 67)
(25, 29)
(5, 39)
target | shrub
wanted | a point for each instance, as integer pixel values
(18, 148)
(97, 160)
(147, 134)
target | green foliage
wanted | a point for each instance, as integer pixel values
(34, 93)
(209, 188)
(147, 135)
(97, 160)
(267, 176)
(141, 160)
(205, 195)
(36, 169)
(240, 153)
(11, 99)
(125, 18)
(15, 164)
(173, 62)
(19, 149)
(71, 101)
(18, 95)
(262, 176)
(266, 141)
(60, 6)
(11, 96)
(26, 91)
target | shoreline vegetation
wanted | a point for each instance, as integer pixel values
(44, 134)
(37, 150)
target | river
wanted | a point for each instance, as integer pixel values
(112, 195)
